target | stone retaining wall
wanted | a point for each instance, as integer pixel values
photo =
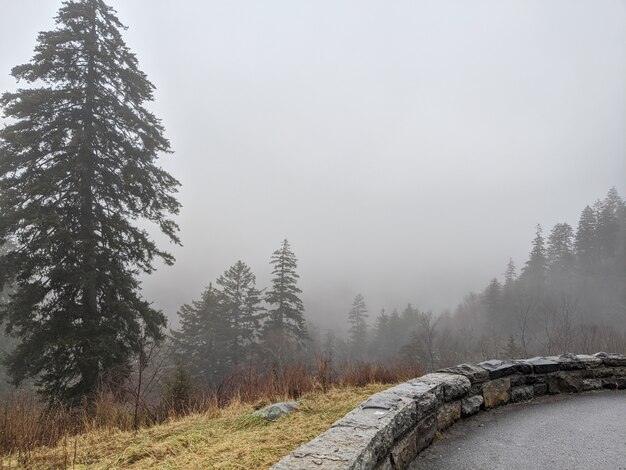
(387, 431)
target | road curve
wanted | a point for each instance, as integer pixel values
(564, 432)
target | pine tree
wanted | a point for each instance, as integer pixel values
(560, 254)
(201, 343)
(534, 273)
(240, 300)
(510, 274)
(357, 318)
(586, 242)
(77, 168)
(285, 316)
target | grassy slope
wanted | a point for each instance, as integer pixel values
(228, 438)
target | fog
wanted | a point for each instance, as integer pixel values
(405, 149)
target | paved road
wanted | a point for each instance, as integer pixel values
(563, 432)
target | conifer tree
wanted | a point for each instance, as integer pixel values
(560, 254)
(77, 168)
(534, 273)
(510, 274)
(240, 301)
(285, 316)
(201, 343)
(357, 318)
(586, 243)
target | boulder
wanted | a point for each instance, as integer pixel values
(275, 411)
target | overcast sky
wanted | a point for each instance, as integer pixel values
(406, 149)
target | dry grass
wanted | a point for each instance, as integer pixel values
(222, 438)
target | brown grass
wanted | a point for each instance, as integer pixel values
(226, 438)
(72, 437)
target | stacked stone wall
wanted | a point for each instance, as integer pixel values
(392, 427)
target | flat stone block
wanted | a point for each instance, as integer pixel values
(453, 386)
(471, 405)
(424, 395)
(498, 368)
(335, 449)
(496, 392)
(524, 393)
(385, 425)
(448, 414)
(475, 374)
(541, 365)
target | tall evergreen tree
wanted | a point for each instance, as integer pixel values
(534, 273)
(285, 316)
(560, 254)
(201, 343)
(357, 318)
(240, 301)
(77, 168)
(586, 243)
(510, 274)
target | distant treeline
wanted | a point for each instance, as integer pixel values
(569, 296)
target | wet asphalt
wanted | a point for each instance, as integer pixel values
(564, 432)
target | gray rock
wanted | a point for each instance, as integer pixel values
(541, 365)
(383, 401)
(527, 392)
(498, 368)
(567, 362)
(276, 410)
(612, 360)
(336, 449)
(475, 374)
(388, 424)
(590, 362)
(471, 405)
(427, 396)
(453, 386)
(562, 382)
